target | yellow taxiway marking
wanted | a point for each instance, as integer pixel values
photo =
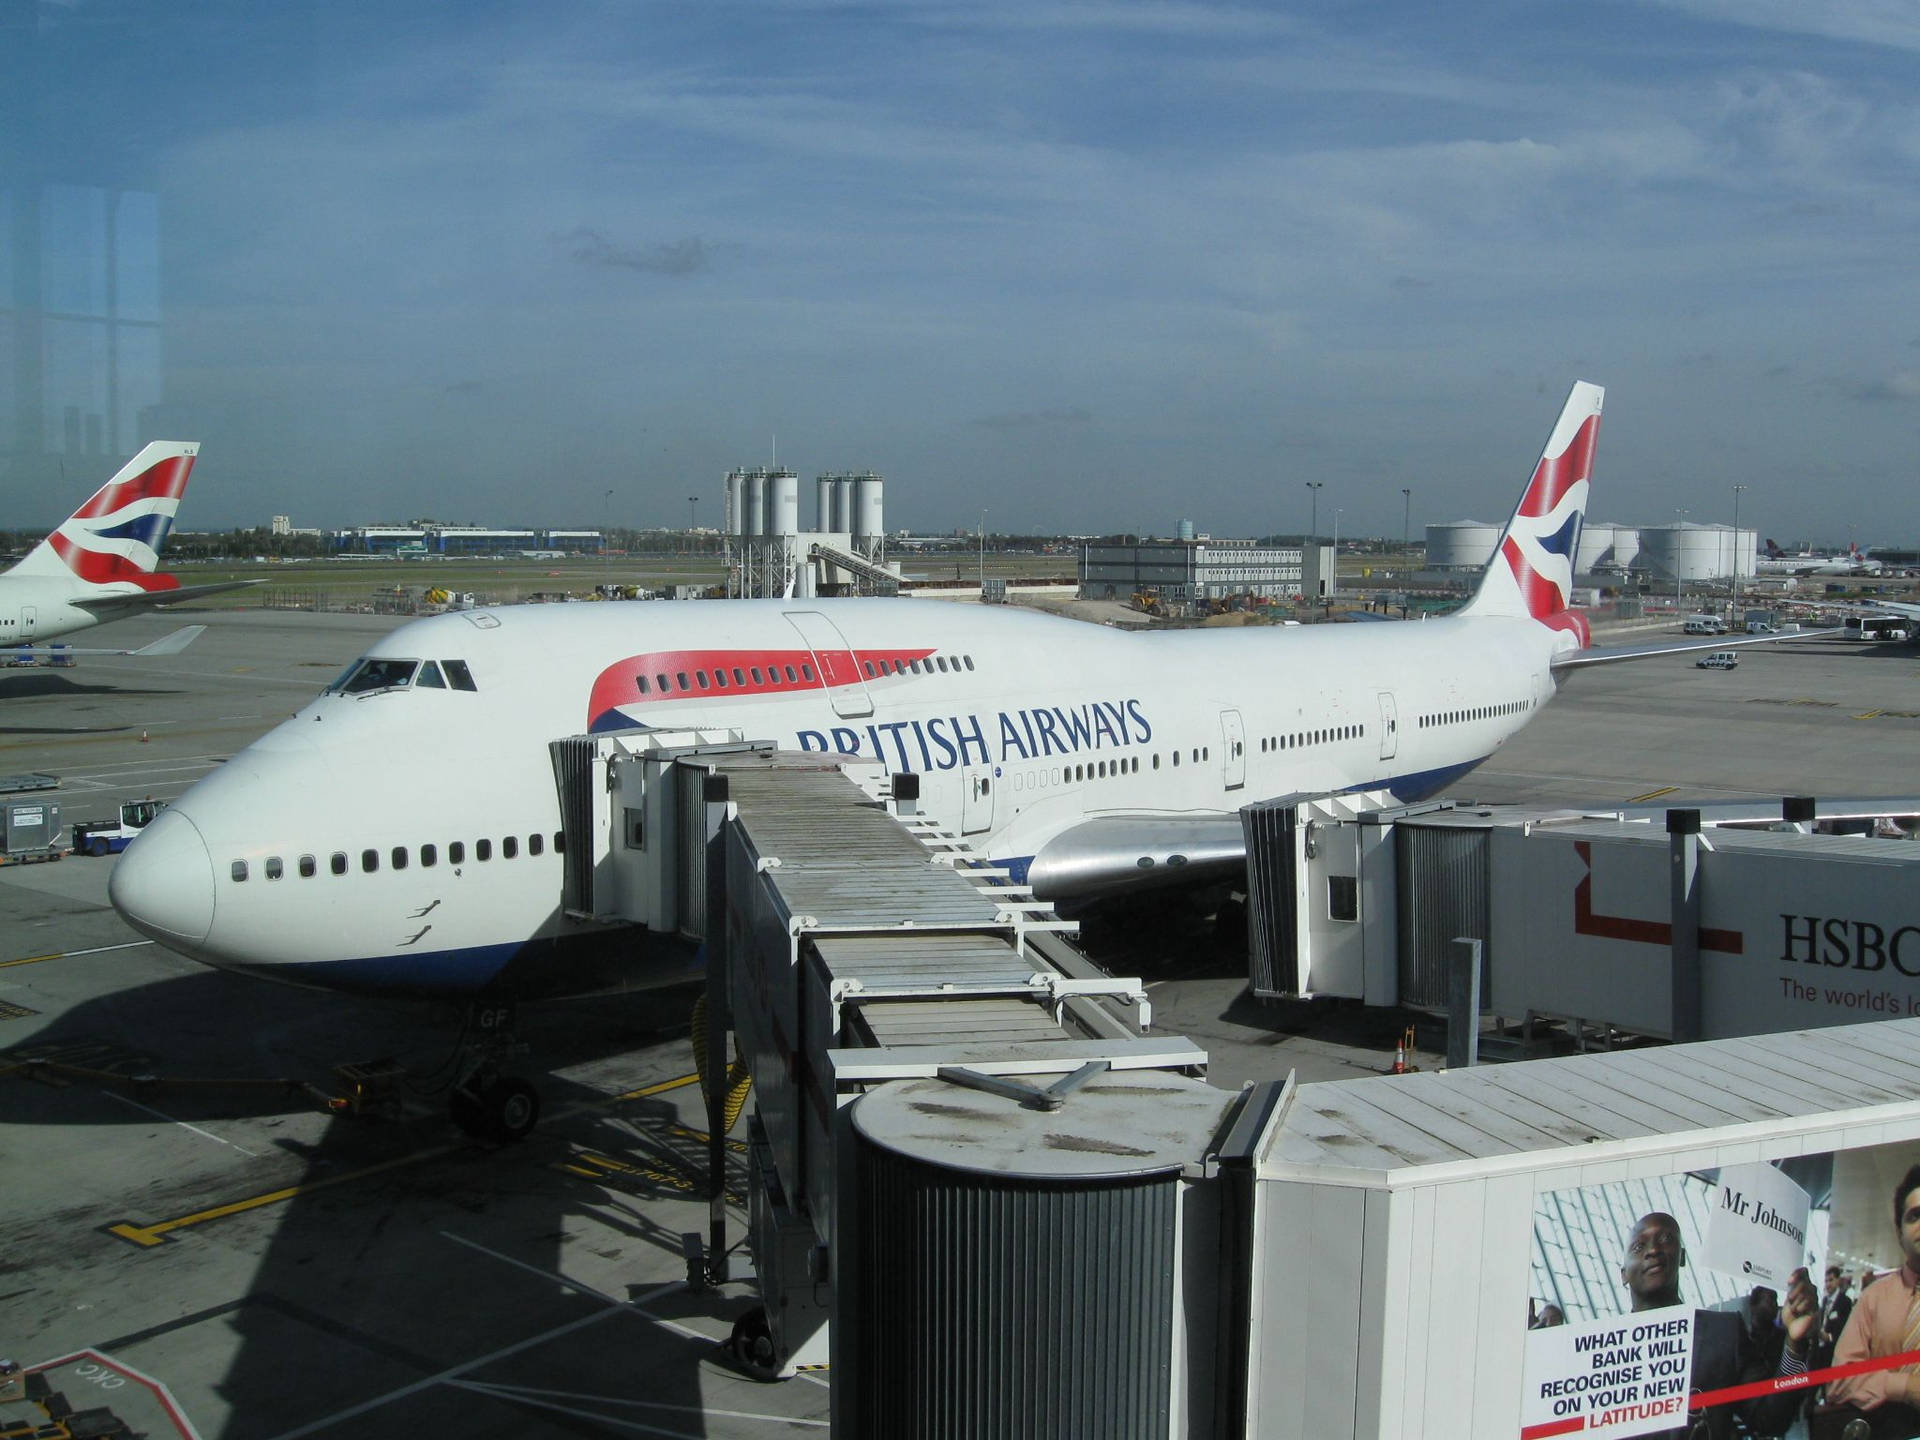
(1867, 715)
(1653, 794)
(156, 1233)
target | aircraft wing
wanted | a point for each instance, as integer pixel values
(1615, 654)
(172, 643)
(148, 599)
(1112, 853)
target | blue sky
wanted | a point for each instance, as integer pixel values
(1083, 266)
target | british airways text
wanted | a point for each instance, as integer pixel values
(943, 743)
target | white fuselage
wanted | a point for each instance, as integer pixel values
(39, 607)
(1021, 726)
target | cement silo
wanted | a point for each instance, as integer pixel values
(843, 504)
(754, 504)
(736, 485)
(868, 521)
(783, 503)
(1461, 544)
(823, 492)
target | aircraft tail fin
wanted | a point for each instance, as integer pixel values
(1531, 573)
(1774, 552)
(113, 541)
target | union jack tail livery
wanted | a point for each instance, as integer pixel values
(113, 541)
(1531, 573)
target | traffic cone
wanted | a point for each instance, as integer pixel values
(143, 737)
(1399, 1059)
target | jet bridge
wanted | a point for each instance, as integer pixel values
(1678, 924)
(850, 943)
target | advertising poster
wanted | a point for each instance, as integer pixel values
(1776, 1299)
(1620, 1375)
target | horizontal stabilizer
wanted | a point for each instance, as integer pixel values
(114, 606)
(172, 643)
(1614, 655)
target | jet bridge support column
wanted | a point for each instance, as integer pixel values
(1683, 837)
(718, 808)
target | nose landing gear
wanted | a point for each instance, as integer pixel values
(486, 1102)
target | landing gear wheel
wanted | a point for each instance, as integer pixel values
(510, 1108)
(751, 1344)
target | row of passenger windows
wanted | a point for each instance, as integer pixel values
(1299, 739)
(1477, 712)
(1075, 774)
(665, 684)
(917, 667)
(372, 672)
(400, 856)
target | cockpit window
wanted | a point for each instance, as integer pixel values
(429, 677)
(376, 673)
(458, 675)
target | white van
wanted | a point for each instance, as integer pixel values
(1704, 625)
(1718, 660)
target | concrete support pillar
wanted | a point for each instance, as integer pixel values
(1683, 835)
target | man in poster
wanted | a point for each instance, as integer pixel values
(1886, 1321)
(1723, 1355)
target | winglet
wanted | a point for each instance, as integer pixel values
(1531, 573)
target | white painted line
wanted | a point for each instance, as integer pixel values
(485, 1387)
(614, 1420)
(327, 1422)
(636, 1304)
(103, 949)
(162, 1115)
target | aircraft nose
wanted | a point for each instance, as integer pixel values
(162, 884)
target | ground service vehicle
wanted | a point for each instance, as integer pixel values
(1718, 660)
(109, 837)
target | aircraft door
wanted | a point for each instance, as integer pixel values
(834, 658)
(1233, 749)
(976, 809)
(1389, 726)
(29, 621)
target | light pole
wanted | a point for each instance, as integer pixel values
(1333, 592)
(1739, 550)
(693, 510)
(983, 555)
(1406, 518)
(1313, 539)
(606, 537)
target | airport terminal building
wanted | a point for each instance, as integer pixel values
(1202, 569)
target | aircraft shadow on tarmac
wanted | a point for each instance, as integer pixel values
(400, 1249)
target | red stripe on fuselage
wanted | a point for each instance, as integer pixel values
(675, 675)
(99, 567)
(165, 481)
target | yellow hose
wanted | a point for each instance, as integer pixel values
(739, 1078)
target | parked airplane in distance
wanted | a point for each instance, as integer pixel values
(402, 832)
(100, 564)
(1775, 561)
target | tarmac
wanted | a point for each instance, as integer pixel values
(191, 1238)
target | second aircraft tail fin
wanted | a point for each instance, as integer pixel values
(113, 541)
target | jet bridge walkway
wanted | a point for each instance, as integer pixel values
(851, 942)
